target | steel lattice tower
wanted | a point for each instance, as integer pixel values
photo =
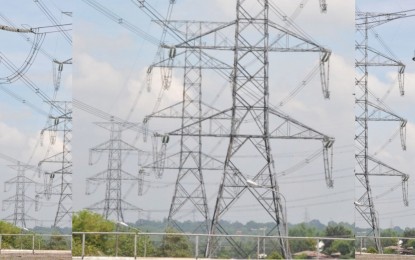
(63, 124)
(250, 105)
(369, 109)
(192, 161)
(113, 204)
(250, 114)
(20, 199)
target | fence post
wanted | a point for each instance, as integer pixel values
(318, 248)
(33, 243)
(145, 246)
(83, 245)
(135, 246)
(0, 243)
(197, 247)
(257, 248)
(361, 244)
(116, 244)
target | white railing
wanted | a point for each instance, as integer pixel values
(33, 237)
(196, 239)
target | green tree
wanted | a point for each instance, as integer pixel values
(275, 255)
(336, 230)
(175, 245)
(302, 230)
(389, 241)
(408, 232)
(87, 221)
(14, 241)
(341, 246)
(372, 250)
(99, 244)
(58, 242)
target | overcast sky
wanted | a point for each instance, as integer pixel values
(110, 74)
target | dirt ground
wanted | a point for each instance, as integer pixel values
(42, 255)
(384, 257)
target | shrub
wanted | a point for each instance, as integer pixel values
(389, 251)
(372, 250)
(275, 255)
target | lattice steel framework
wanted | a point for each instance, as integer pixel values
(251, 111)
(370, 109)
(20, 200)
(113, 205)
(190, 161)
(61, 123)
(250, 114)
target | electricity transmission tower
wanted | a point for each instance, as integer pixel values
(369, 109)
(251, 114)
(192, 161)
(20, 200)
(113, 205)
(63, 124)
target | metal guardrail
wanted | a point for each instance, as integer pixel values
(33, 238)
(196, 238)
(362, 239)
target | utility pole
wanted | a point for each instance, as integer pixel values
(369, 109)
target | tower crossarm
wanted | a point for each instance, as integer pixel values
(217, 39)
(102, 176)
(289, 128)
(378, 113)
(103, 115)
(378, 168)
(207, 62)
(98, 177)
(377, 58)
(126, 206)
(209, 163)
(12, 199)
(173, 112)
(17, 162)
(20, 179)
(106, 146)
(56, 158)
(293, 129)
(289, 41)
(214, 35)
(371, 20)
